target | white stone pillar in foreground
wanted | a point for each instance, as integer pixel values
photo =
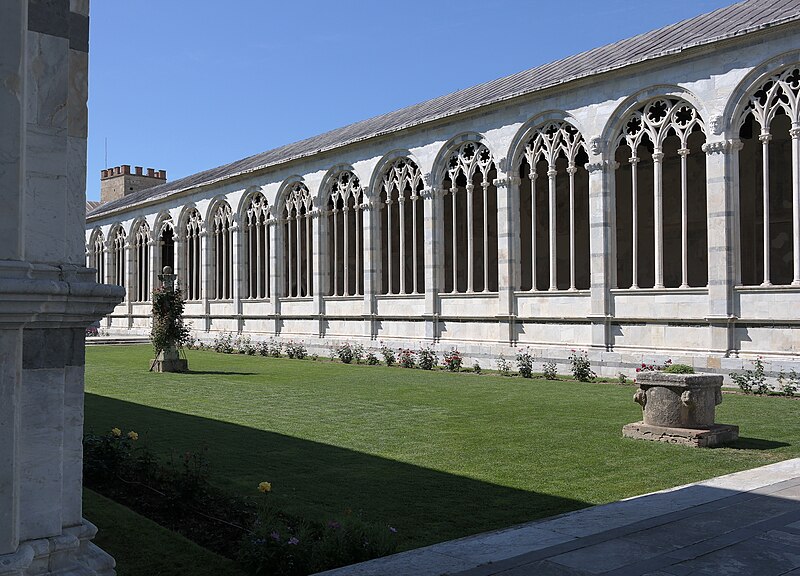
(47, 295)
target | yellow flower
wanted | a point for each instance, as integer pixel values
(116, 432)
(133, 435)
(265, 487)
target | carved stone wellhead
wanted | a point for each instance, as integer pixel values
(680, 408)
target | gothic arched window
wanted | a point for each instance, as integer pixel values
(660, 197)
(769, 182)
(222, 252)
(554, 210)
(142, 255)
(470, 220)
(257, 247)
(345, 224)
(402, 251)
(193, 277)
(297, 245)
(118, 256)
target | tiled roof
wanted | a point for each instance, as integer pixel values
(735, 20)
(91, 205)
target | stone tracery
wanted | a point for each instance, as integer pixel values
(118, 256)
(769, 178)
(401, 229)
(470, 166)
(192, 264)
(257, 247)
(659, 152)
(297, 242)
(345, 236)
(142, 262)
(222, 251)
(556, 149)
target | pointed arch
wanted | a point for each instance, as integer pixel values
(257, 248)
(660, 193)
(297, 230)
(97, 255)
(191, 229)
(141, 245)
(344, 196)
(554, 210)
(767, 124)
(117, 245)
(401, 219)
(470, 217)
(221, 220)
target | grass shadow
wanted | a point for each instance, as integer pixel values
(217, 372)
(745, 443)
(323, 481)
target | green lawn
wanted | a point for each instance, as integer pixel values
(436, 455)
(143, 548)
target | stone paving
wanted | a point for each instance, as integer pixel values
(747, 523)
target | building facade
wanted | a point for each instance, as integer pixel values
(638, 201)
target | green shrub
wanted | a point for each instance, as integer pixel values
(752, 381)
(525, 363)
(581, 367)
(679, 369)
(427, 358)
(549, 371)
(388, 355)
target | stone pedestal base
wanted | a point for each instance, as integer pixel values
(171, 365)
(70, 554)
(711, 437)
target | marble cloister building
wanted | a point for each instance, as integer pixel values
(639, 201)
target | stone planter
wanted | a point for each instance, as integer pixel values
(170, 361)
(680, 409)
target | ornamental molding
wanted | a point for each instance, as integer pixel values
(795, 133)
(722, 146)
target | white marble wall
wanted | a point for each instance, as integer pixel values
(714, 322)
(47, 297)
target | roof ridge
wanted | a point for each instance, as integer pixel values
(464, 100)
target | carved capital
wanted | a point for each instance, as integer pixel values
(795, 133)
(722, 146)
(634, 159)
(314, 214)
(765, 138)
(658, 156)
(470, 187)
(552, 172)
(592, 167)
(272, 221)
(572, 169)
(683, 152)
(428, 193)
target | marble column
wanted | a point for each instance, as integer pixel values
(47, 295)
(320, 270)
(722, 178)
(371, 255)
(601, 248)
(433, 234)
(508, 255)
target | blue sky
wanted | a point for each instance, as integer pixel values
(186, 86)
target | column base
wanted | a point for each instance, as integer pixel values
(70, 554)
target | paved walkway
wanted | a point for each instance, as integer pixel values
(746, 523)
